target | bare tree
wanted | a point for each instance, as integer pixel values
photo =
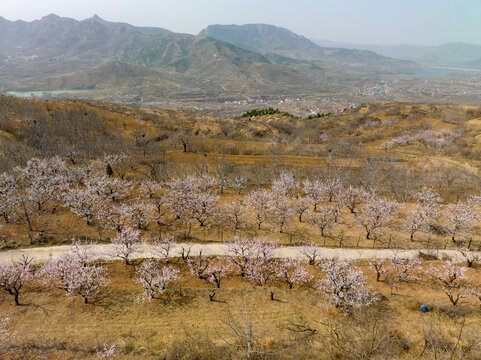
(184, 137)
(311, 252)
(363, 335)
(243, 331)
(440, 342)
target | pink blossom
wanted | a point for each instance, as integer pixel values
(153, 280)
(164, 247)
(218, 270)
(376, 214)
(324, 219)
(311, 252)
(292, 272)
(13, 277)
(107, 352)
(72, 275)
(260, 201)
(451, 277)
(345, 285)
(127, 243)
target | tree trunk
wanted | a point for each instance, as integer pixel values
(27, 218)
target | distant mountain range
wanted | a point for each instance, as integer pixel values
(223, 61)
(452, 54)
(474, 63)
(266, 39)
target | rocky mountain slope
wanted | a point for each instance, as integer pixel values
(56, 52)
(266, 39)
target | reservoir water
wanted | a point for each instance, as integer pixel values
(437, 72)
(49, 93)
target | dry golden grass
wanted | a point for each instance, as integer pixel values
(65, 328)
(52, 320)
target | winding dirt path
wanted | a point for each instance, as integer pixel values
(42, 254)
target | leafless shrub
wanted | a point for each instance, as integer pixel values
(439, 342)
(363, 335)
(245, 334)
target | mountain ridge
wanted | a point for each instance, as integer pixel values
(92, 52)
(55, 50)
(266, 38)
(448, 54)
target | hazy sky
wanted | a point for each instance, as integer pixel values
(424, 22)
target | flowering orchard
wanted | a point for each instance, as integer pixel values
(33, 195)
(341, 283)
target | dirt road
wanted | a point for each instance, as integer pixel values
(42, 254)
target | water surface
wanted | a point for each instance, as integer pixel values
(437, 72)
(48, 93)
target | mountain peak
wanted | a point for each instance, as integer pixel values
(50, 17)
(95, 18)
(251, 28)
(264, 38)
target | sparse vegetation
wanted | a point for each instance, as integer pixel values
(263, 112)
(319, 115)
